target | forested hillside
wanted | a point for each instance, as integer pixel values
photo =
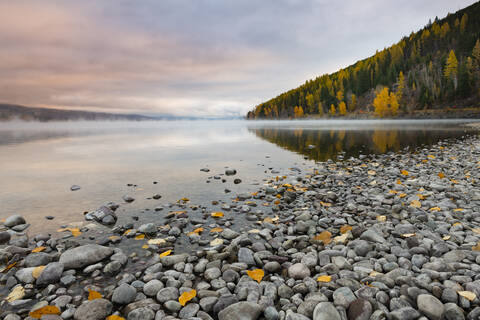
(437, 67)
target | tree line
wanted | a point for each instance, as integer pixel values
(435, 67)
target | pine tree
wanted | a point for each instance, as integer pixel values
(463, 23)
(451, 68)
(393, 104)
(342, 108)
(401, 86)
(320, 109)
(353, 103)
(333, 111)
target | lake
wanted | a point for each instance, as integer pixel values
(39, 162)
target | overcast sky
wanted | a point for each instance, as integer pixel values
(189, 57)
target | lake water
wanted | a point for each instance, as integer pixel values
(40, 161)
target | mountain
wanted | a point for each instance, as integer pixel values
(13, 112)
(435, 69)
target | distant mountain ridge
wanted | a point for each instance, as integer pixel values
(437, 67)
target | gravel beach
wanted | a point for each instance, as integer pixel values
(393, 236)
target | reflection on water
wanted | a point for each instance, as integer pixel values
(323, 143)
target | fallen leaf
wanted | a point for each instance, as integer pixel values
(341, 239)
(477, 247)
(177, 212)
(404, 172)
(127, 232)
(185, 199)
(156, 241)
(10, 266)
(256, 274)
(115, 317)
(140, 237)
(374, 273)
(254, 231)
(431, 156)
(458, 210)
(446, 238)
(37, 314)
(402, 195)
(270, 219)
(421, 196)
(345, 229)
(198, 230)
(38, 249)
(17, 293)
(92, 295)
(371, 172)
(399, 182)
(435, 209)
(216, 242)
(454, 181)
(216, 230)
(145, 246)
(324, 279)
(408, 235)
(393, 192)
(456, 224)
(114, 238)
(187, 296)
(382, 218)
(75, 231)
(325, 237)
(469, 295)
(166, 253)
(416, 204)
(441, 175)
(217, 214)
(325, 204)
(37, 271)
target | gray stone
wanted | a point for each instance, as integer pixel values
(430, 306)
(405, 313)
(270, 313)
(298, 271)
(152, 287)
(124, 294)
(360, 309)
(373, 236)
(189, 311)
(4, 237)
(241, 311)
(245, 255)
(25, 275)
(148, 228)
(85, 255)
(14, 220)
(207, 303)
(97, 309)
(51, 274)
(37, 259)
(453, 312)
(166, 294)
(212, 273)
(172, 306)
(143, 313)
(343, 297)
(326, 311)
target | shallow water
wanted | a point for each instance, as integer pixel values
(40, 161)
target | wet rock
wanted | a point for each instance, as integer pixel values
(141, 314)
(124, 294)
(13, 221)
(85, 255)
(4, 237)
(326, 311)
(298, 271)
(360, 309)
(240, 311)
(97, 309)
(430, 306)
(51, 274)
(75, 187)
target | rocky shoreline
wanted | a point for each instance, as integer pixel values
(392, 236)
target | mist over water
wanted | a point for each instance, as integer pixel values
(40, 161)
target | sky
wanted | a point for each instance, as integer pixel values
(207, 58)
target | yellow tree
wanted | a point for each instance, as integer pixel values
(320, 109)
(463, 22)
(381, 102)
(332, 110)
(353, 103)
(451, 68)
(310, 103)
(476, 55)
(393, 104)
(401, 86)
(339, 95)
(342, 108)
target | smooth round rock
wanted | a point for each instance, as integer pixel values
(326, 311)
(97, 309)
(124, 294)
(298, 271)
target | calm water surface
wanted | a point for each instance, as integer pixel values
(39, 162)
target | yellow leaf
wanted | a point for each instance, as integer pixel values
(416, 204)
(38, 249)
(435, 209)
(216, 242)
(127, 232)
(185, 199)
(457, 210)
(408, 235)
(198, 230)
(140, 237)
(325, 237)
(114, 238)
(477, 247)
(393, 192)
(156, 241)
(276, 202)
(37, 271)
(177, 212)
(279, 196)
(216, 230)
(441, 175)
(92, 295)
(456, 224)
(382, 218)
(402, 195)
(454, 181)
(371, 172)
(431, 156)
(404, 172)
(115, 317)
(446, 238)
(187, 296)
(145, 246)
(342, 238)
(399, 182)
(254, 231)
(324, 279)
(325, 204)
(37, 314)
(10, 266)
(469, 295)
(217, 214)
(166, 253)
(374, 273)
(256, 274)
(75, 231)
(271, 220)
(345, 229)
(421, 196)
(17, 293)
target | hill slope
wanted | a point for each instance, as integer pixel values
(432, 68)
(11, 112)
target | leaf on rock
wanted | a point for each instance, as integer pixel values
(254, 231)
(399, 182)
(216, 230)
(421, 196)
(17, 293)
(115, 317)
(469, 295)
(256, 274)
(114, 238)
(436, 209)
(372, 172)
(382, 218)
(127, 232)
(216, 242)
(393, 192)
(405, 173)
(185, 199)
(458, 210)
(140, 237)
(37, 314)
(416, 204)
(453, 181)
(217, 214)
(456, 224)
(402, 195)
(271, 220)
(92, 295)
(325, 204)
(345, 229)
(408, 235)
(324, 279)
(75, 231)
(10, 266)
(477, 247)
(342, 238)
(177, 212)
(37, 271)
(166, 253)
(446, 238)
(431, 156)
(145, 246)
(187, 296)
(38, 249)
(441, 175)
(325, 237)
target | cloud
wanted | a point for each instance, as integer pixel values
(184, 57)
